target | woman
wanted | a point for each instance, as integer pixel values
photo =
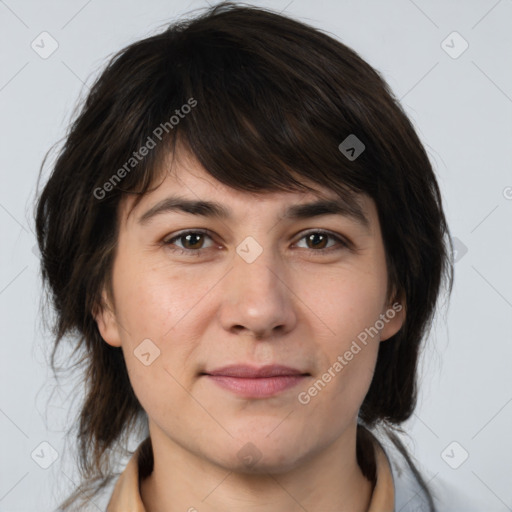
(246, 235)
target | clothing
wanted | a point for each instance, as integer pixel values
(126, 495)
(396, 490)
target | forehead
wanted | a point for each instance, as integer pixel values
(185, 186)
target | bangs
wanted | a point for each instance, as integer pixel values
(261, 120)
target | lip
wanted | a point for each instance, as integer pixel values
(256, 382)
(253, 372)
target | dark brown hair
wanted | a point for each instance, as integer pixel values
(274, 98)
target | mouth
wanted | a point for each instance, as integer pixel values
(256, 382)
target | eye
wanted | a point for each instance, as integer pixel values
(192, 242)
(316, 241)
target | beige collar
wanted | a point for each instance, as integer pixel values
(126, 494)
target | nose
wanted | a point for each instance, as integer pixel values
(256, 299)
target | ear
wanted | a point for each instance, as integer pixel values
(393, 318)
(106, 320)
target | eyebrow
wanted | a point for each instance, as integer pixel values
(347, 207)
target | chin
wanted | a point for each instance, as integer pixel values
(259, 453)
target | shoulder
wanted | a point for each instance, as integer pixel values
(410, 495)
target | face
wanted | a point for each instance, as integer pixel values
(301, 297)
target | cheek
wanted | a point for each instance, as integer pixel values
(156, 304)
(153, 300)
(346, 303)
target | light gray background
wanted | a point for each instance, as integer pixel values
(462, 109)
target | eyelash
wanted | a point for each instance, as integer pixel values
(196, 252)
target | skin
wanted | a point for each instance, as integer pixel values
(290, 306)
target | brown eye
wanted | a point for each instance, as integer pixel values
(316, 241)
(188, 241)
(192, 241)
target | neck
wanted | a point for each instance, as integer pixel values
(180, 481)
